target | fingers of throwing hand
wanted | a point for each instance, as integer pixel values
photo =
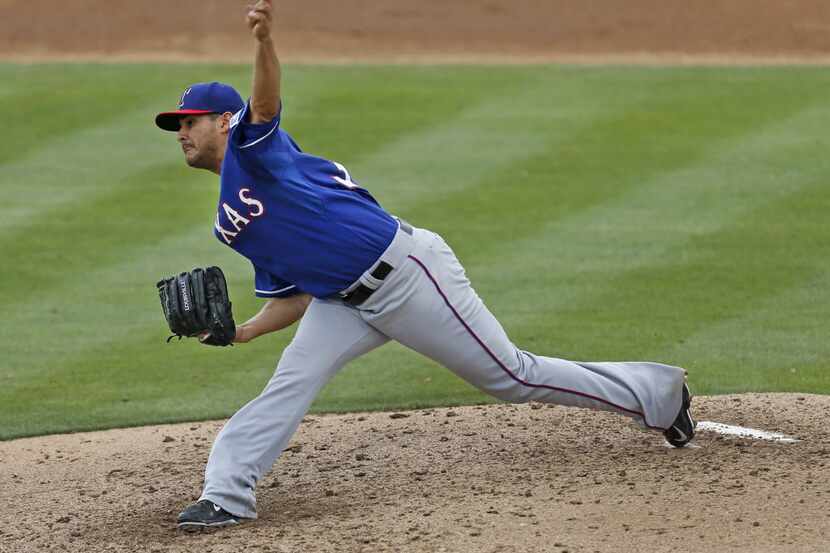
(254, 18)
(261, 10)
(258, 18)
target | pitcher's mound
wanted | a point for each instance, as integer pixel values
(478, 479)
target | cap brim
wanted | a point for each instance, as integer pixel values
(169, 120)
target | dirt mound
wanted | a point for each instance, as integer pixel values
(484, 479)
(431, 30)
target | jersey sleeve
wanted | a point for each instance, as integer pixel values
(267, 285)
(245, 135)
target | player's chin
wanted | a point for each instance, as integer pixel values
(192, 158)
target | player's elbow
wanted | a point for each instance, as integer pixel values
(262, 111)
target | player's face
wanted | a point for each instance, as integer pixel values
(201, 139)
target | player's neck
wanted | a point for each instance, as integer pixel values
(217, 168)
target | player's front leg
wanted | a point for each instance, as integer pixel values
(329, 335)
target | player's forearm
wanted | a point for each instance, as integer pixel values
(265, 95)
(276, 314)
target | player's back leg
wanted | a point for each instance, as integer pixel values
(429, 305)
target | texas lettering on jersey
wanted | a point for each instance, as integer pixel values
(228, 218)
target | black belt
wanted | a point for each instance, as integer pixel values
(362, 292)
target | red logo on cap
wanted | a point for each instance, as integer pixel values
(181, 100)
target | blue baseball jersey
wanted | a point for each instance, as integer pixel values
(300, 219)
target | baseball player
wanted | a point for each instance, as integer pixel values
(326, 253)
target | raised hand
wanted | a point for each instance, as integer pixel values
(259, 19)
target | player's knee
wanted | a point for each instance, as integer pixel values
(303, 364)
(511, 392)
(511, 385)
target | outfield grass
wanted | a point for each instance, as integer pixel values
(677, 215)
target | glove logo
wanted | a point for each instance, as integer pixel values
(185, 296)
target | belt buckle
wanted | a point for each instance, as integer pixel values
(361, 292)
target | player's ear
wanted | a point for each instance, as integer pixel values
(224, 122)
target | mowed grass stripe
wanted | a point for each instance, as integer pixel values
(121, 295)
(70, 171)
(361, 113)
(52, 101)
(620, 280)
(120, 359)
(777, 334)
(655, 218)
(559, 175)
(444, 166)
(74, 240)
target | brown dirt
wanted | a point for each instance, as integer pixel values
(428, 30)
(474, 479)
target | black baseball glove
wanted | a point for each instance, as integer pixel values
(196, 303)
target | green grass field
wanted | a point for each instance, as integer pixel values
(675, 215)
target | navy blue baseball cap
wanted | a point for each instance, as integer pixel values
(200, 99)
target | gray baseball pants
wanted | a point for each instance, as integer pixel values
(427, 304)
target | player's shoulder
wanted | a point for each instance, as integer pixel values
(255, 138)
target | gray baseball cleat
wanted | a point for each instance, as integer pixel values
(682, 429)
(205, 514)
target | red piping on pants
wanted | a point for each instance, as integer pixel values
(507, 370)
